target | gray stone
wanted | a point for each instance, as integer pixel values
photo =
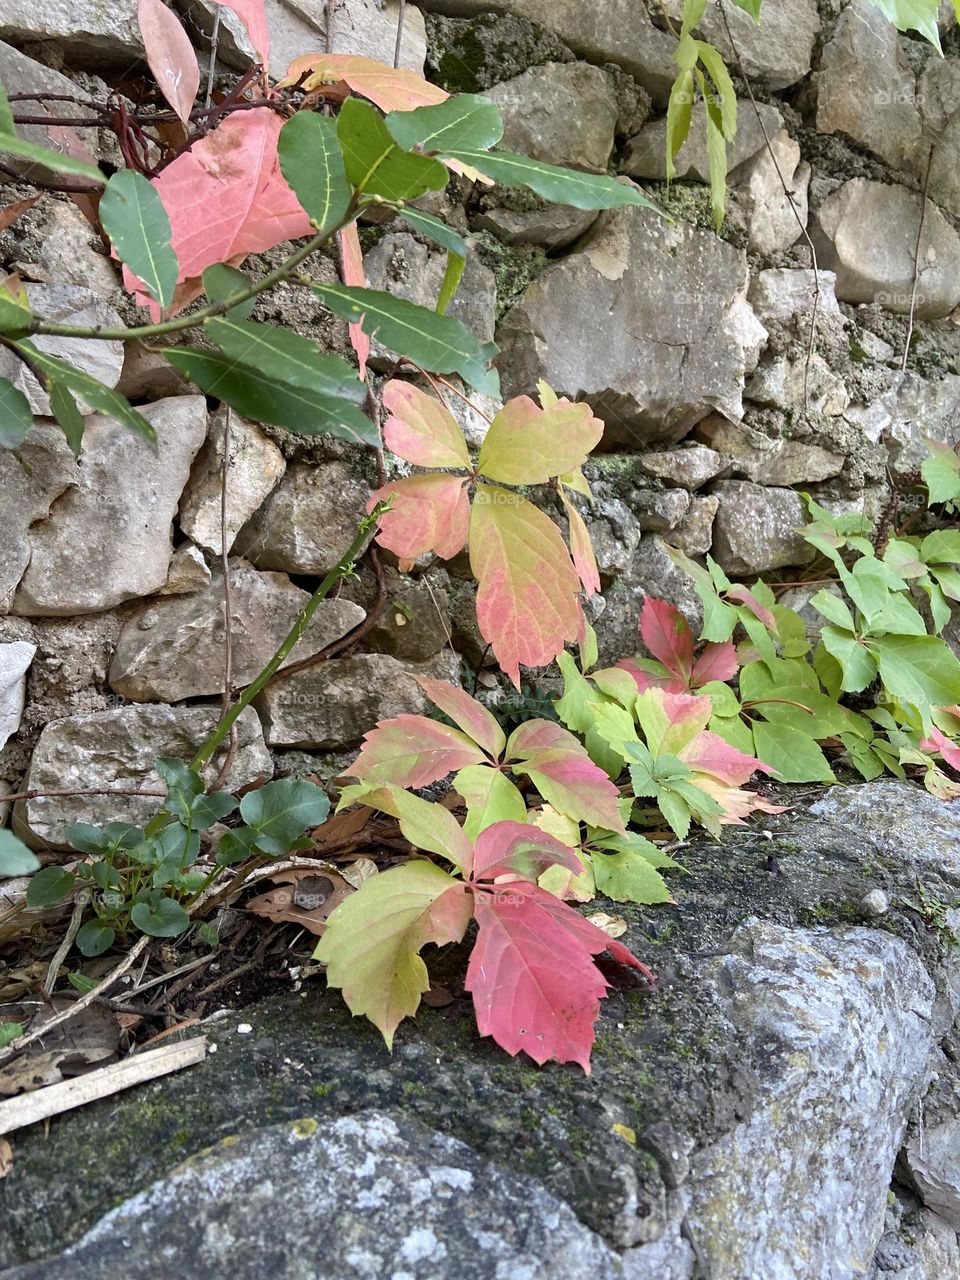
(472, 54)
(117, 749)
(188, 572)
(173, 649)
(659, 509)
(108, 537)
(874, 903)
(690, 467)
(646, 155)
(256, 465)
(414, 624)
(308, 522)
(63, 248)
(406, 1203)
(105, 33)
(866, 232)
(67, 304)
(781, 293)
(15, 659)
(561, 113)
(777, 50)
(553, 227)
(148, 375)
(615, 533)
(795, 383)
(757, 528)
(766, 460)
(775, 219)
(28, 491)
(694, 534)
(670, 334)
(337, 702)
(297, 27)
(20, 74)
(932, 1159)
(403, 266)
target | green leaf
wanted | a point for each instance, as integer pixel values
(941, 547)
(208, 934)
(833, 609)
(10, 1031)
(16, 416)
(6, 113)
(435, 230)
(183, 785)
(160, 918)
(95, 393)
(15, 858)
(858, 665)
(464, 120)
(282, 811)
(287, 357)
(221, 283)
(625, 869)
(53, 160)
(941, 472)
(795, 758)
(716, 155)
(86, 838)
(489, 796)
(451, 282)
(95, 938)
(375, 164)
(679, 115)
(134, 218)
(750, 6)
(726, 96)
(67, 414)
(438, 343)
(236, 846)
(312, 163)
(49, 887)
(919, 670)
(913, 15)
(206, 810)
(80, 982)
(15, 316)
(560, 186)
(257, 395)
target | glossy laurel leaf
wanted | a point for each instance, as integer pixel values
(99, 397)
(375, 164)
(312, 164)
(465, 120)
(134, 218)
(560, 186)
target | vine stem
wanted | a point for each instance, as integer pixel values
(341, 569)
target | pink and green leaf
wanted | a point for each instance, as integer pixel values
(421, 430)
(518, 850)
(581, 549)
(427, 513)
(471, 716)
(413, 751)
(529, 445)
(489, 796)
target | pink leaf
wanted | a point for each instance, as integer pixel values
(540, 735)
(534, 985)
(667, 635)
(391, 89)
(413, 751)
(709, 753)
(170, 56)
(651, 676)
(351, 261)
(574, 786)
(429, 513)
(254, 17)
(938, 741)
(716, 662)
(422, 430)
(745, 597)
(581, 549)
(226, 197)
(472, 717)
(521, 851)
(737, 805)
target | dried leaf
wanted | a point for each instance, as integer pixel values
(351, 259)
(6, 1156)
(304, 896)
(12, 212)
(612, 926)
(392, 89)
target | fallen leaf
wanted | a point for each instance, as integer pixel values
(304, 896)
(6, 1157)
(437, 997)
(88, 1039)
(12, 212)
(625, 1132)
(612, 926)
(358, 871)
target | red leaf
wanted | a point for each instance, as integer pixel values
(254, 17)
(575, 786)
(421, 430)
(716, 662)
(170, 56)
(647, 679)
(226, 197)
(938, 741)
(667, 635)
(534, 985)
(429, 513)
(709, 753)
(413, 751)
(472, 717)
(519, 850)
(351, 261)
(581, 549)
(743, 596)
(392, 89)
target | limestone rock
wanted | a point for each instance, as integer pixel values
(694, 534)
(646, 155)
(20, 74)
(615, 533)
(782, 380)
(414, 624)
(337, 702)
(659, 509)
(308, 522)
(405, 1202)
(15, 659)
(148, 375)
(561, 113)
(777, 50)
(756, 528)
(781, 293)
(552, 228)
(63, 248)
(188, 572)
(365, 27)
(775, 219)
(647, 322)
(108, 538)
(117, 748)
(27, 495)
(256, 465)
(866, 232)
(91, 34)
(915, 408)
(173, 649)
(690, 467)
(67, 304)
(472, 54)
(406, 268)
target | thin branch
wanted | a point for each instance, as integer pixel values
(400, 17)
(50, 981)
(916, 260)
(214, 42)
(227, 603)
(80, 791)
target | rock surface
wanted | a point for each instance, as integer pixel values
(561, 113)
(757, 528)
(15, 661)
(105, 32)
(107, 749)
(174, 648)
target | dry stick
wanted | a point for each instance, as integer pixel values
(400, 18)
(50, 981)
(214, 41)
(227, 606)
(916, 260)
(328, 21)
(81, 791)
(789, 194)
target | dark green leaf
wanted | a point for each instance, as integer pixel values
(80, 982)
(236, 846)
(183, 785)
(86, 838)
(375, 164)
(287, 357)
(160, 918)
(123, 835)
(312, 163)
(206, 810)
(464, 120)
(438, 343)
(16, 416)
(67, 414)
(281, 811)
(95, 938)
(134, 218)
(435, 230)
(49, 887)
(560, 186)
(176, 844)
(15, 858)
(221, 283)
(256, 395)
(53, 160)
(95, 393)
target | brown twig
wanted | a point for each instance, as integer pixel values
(916, 260)
(227, 603)
(80, 791)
